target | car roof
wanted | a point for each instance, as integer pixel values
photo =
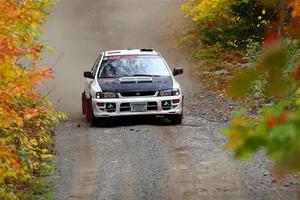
(131, 52)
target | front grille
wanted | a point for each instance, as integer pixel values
(137, 94)
(125, 107)
(152, 106)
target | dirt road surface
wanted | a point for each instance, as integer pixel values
(140, 158)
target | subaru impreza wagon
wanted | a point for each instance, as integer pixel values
(132, 82)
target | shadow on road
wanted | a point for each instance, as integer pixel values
(113, 122)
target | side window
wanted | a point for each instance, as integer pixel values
(94, 69)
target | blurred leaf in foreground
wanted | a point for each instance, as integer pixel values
(241, 83)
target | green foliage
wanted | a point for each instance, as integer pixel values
(276, 130)
(253, 54)
(230, 23)
(268, 30)
(247, 77)
(270, 71)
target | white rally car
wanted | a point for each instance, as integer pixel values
(132, 82)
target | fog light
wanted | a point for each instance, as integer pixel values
(100, 104)
(176, 101)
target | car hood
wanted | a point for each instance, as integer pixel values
(135, 84)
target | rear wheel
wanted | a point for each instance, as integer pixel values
(176, 119)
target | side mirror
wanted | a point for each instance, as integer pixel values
(88, 74)
(177, 71)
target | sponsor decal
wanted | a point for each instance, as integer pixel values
(128, 57)
(108, 81)
(120, 57)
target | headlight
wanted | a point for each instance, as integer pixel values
(173, 92)
(106, 95)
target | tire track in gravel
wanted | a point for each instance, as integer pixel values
(82, 160)
(85, 164)
(150, 163)
(182, 168)
(114, 172)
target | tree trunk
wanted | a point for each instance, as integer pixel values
(281, 16)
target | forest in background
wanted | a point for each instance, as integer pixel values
(249, 51)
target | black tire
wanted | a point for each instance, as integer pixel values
(94, 121)
(176, 119)
(89, 114)
(83, 102)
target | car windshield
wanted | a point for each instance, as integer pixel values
(122, 66)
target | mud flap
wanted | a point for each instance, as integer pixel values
(88, 110)
(83, 102)
(182, 114)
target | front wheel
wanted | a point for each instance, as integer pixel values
(89, 114)
(176, 119)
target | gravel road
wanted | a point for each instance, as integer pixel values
(141, 158)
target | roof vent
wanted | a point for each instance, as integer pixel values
(113, 52)
(146, 50)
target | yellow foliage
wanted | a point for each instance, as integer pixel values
(209, 11)
(26, 117)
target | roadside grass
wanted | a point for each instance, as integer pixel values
(40, 188)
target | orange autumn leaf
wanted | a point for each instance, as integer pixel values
(296, 8)
(25, 115)
(271, 122)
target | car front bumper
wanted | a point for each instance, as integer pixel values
(123, 106)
